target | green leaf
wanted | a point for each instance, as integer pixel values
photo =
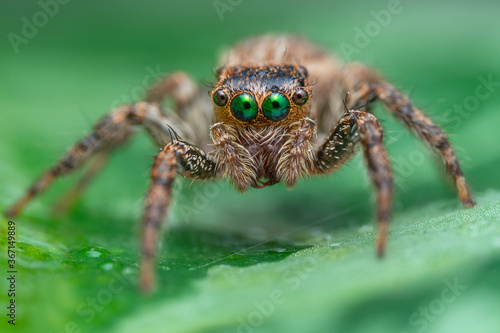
(284, 261)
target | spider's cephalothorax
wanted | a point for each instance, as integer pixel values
(262, 124)
(261, 96)
(262, 112)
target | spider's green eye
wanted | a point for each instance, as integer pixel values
(276, 107)
(244, 107)
(220, 98)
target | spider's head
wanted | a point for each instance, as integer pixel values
(261, 96)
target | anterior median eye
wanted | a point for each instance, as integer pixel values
(244, 107)
(276, 107)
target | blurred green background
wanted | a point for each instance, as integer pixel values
(270, 260)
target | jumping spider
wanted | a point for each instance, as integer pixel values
(264, 116)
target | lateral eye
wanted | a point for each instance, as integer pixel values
(303, 71)
(244, 107)
(300, 97)
(276, 107)
(220, 98)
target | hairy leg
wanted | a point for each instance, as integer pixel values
(177, 86)
(354, 128)
(367, 87)
(190, 104)
(69, 198)
(108, 132)
(176, 157)
(112, 127)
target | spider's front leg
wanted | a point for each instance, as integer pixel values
(354, 128)
(176, 157)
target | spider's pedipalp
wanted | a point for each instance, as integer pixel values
(234, 161)
(297, 153)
